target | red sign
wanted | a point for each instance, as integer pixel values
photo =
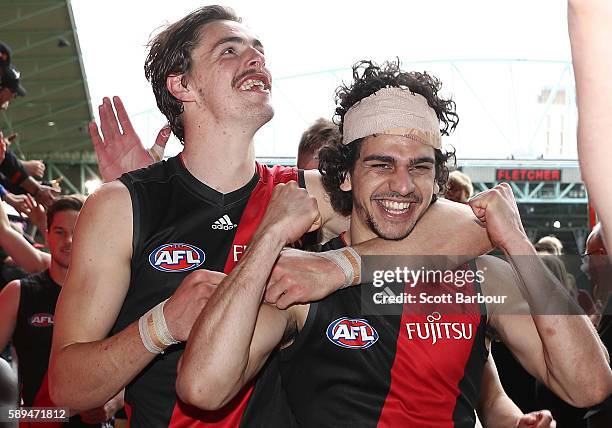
(528, 175)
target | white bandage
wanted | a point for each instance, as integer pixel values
(348, 260)
(156, 152)
(393, 111)
(154, 330)
(161, 329)
(145, 335)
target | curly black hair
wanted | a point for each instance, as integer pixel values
(335, 162)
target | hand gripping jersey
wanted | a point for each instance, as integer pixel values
(180, 224)
(32, 341)
(352, 367)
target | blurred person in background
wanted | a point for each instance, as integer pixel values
(549, 245)
(321, 133)
(27, 308)
(460, 188)
(14, 175)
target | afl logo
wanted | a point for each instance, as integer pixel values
(41, 320)
(176, 257)
(352, 333)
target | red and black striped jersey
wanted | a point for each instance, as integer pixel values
(352, 365)
(181, 224)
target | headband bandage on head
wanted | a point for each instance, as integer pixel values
(393, 111)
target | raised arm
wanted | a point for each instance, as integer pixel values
(590, 34)
(16, 246)
(235, 334)
(539, 323)
(119, 148)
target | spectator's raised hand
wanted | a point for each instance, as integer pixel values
(36, 168)
(22, 203)
(46, 194)
(38, 216)
(120, 151)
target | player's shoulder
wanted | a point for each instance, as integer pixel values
(11, 292)
(110, 194)
(13, 286)
(158, 172)
(277, 173)
(108, 208)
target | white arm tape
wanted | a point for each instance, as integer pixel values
(348, 260)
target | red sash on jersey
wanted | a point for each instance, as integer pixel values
(42, 399)
(184, 416)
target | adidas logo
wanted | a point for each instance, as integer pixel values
(224, 223)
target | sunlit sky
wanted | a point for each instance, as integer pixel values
(494, 57)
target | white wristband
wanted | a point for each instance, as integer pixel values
(145, 335)
(161, 328)
(348, 260)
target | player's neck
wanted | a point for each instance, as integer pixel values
(57, 273)
(222, 159)
(358, 232)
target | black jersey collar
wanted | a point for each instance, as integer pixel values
(208, 193)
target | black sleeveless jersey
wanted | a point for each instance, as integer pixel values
(32, 342)
(34, 331)
(351, 366)
(180, 224)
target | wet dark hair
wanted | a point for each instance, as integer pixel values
(335, 162)
(170, 54)
(64, 203)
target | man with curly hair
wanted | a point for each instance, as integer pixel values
(345, 360)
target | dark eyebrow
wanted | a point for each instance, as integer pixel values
(391, 159)
(236, 39)
(422, 159)
(381, 158)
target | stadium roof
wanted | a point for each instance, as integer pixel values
(52, 118)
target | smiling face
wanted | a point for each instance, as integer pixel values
(59, 237)
(228, 76)
(392, 186)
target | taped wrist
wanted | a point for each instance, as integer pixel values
(156, 152)
(348, 260)
(154, 331)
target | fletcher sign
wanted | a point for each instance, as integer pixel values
(528, 175)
